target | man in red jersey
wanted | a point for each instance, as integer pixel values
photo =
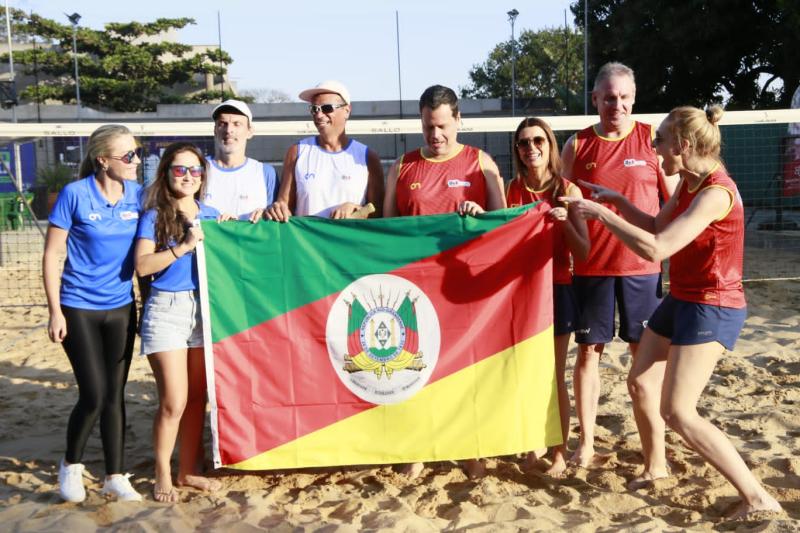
(616, 153)
(441, 177)
(444, 175)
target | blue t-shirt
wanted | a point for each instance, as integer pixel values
(98, 271)
(182, 274)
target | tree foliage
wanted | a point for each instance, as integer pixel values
(549, 64)
(741, 52)
(123, 67)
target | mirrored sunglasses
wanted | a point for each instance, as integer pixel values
(538, 141)
(178, 171)
(128, 157)
(325, 108)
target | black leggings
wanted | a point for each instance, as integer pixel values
(99, 345)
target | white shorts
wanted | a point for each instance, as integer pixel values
(171, 321)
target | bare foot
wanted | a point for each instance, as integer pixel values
(647, 479)
(474, 468)
(745, 510)
(583, 456)
(531, 462)
(203, 483)
(559, 467)
(165, 494)
(412, 470)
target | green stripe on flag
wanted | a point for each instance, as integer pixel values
(276, 267)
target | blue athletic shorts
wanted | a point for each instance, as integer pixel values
(636, 296)
(688, 323)
(565, 309)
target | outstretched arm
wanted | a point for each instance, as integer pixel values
(709, 205)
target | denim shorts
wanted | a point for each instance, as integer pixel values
(171, 321)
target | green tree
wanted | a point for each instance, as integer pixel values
(740, 52)
(549, 64)
(123, 67)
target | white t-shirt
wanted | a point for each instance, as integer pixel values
(325, 180)
(241, 190)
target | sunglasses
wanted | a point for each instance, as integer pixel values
(178, 171)
(325, 108)
(529, 143)
(128, 157)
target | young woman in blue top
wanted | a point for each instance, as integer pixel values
(172, 329)
(91, 304)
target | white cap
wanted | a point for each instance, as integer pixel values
(233, 106)
(326, 87)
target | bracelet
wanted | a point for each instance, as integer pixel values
(171, 249)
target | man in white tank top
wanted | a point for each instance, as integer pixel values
(329, 175)
(237, 184)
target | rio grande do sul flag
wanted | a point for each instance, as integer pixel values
(379, 341)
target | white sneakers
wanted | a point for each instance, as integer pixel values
(70, 485)
(70, 482)
(119, 487)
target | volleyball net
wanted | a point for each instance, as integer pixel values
(760, 148)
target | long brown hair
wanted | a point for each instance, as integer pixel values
(171, 223)
(553, 162)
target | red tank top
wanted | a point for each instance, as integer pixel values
(709, 269)
(630, 166)
(519, 194)
(427, 187)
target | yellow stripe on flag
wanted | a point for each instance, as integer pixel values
(503, 405)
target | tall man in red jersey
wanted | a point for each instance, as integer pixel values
(616, 153)
(441, 177)
(444, 175)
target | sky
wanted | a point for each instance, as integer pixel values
(290, 46)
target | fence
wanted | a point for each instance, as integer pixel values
(760, 155)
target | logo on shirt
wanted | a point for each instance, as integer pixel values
(243, 197)
(590, 166)
(129, 215)
(414, 186)
(346, 178)
(94, 217)
(458, 183)
(309, 176)
(634, 163)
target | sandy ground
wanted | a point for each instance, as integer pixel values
(754, 397)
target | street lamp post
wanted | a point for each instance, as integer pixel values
(75, 19)
(512, 16)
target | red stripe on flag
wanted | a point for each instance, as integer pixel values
(275, 383)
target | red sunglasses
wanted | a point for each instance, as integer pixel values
(178, 171)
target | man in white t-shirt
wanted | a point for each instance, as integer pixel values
(329, 175)
(237, 184)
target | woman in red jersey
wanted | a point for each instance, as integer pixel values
(539, 178)
(701, 230)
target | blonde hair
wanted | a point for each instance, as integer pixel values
(99, 143)
(698, 127)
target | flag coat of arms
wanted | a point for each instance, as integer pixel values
(379, 341)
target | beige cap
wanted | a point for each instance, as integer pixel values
(233, 106)
(326, 87)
